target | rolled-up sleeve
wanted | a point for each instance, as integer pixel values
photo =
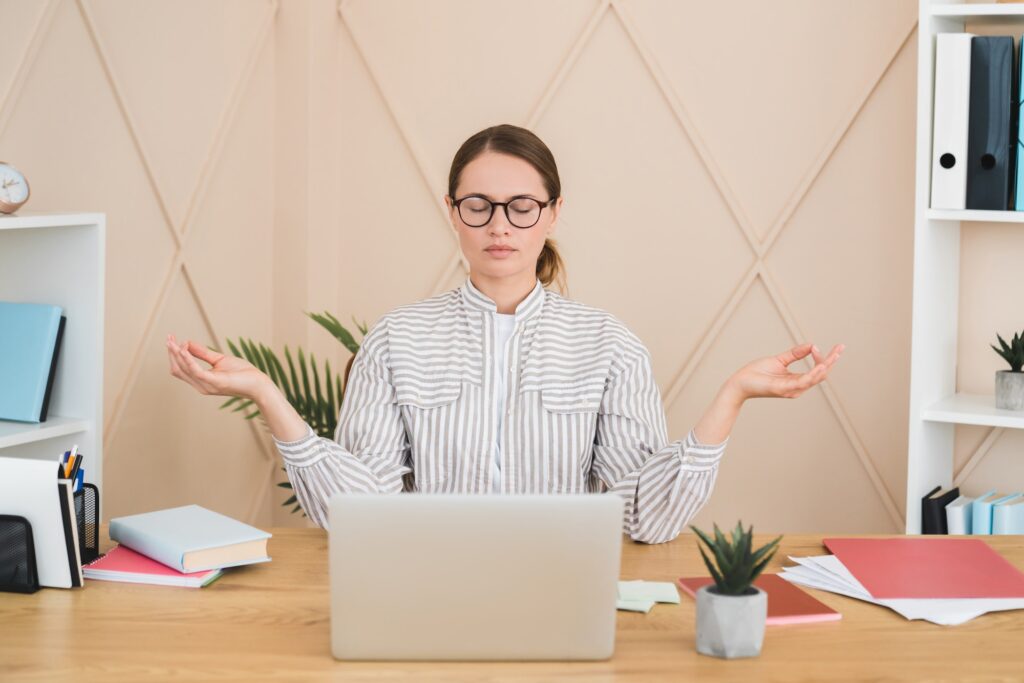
(370, 450)
(663, 483)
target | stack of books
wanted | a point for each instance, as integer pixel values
(945, 511)
(183, 546)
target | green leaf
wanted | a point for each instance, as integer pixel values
(331, 324)
(719, 581)
(285, 484)
(290, 501)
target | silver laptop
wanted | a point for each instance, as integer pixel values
(474, 577)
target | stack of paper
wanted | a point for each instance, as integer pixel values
(944, 581)
(640, 596)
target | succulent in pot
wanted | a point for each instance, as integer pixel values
(1010, 383)
(731, 614)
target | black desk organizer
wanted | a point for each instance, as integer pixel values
(18, 570)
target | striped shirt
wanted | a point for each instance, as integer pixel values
(582, 413)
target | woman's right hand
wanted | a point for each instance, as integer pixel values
(227, 376)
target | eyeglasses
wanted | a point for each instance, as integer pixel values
(521, 212)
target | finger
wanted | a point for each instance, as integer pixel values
(181, 373)
(200, 351)
(204, 378)
(794, 354)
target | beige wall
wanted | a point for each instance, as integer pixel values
(750, 174)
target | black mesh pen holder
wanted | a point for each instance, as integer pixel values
(18, 572)
(87, 510)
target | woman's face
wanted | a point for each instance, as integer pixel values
(498, 249)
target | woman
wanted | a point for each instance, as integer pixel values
(501, 385)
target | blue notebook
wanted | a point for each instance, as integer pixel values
(30, 336)
(191, 538)
(1008, 516)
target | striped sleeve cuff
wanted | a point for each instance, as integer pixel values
(698, 456)
(302, 452)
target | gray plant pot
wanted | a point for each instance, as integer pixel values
(730, 626)
(1010, 390)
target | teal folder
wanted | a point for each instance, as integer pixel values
(30, 337)
(191, 538)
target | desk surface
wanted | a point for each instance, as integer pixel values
(271, 621)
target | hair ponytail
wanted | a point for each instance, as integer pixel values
(551, 268)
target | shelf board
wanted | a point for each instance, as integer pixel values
(973, 409)
(976, 216)
(20, 433)
(989, 13)
(39, 219)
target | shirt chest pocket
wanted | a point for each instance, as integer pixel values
(431, 418)
(571, 413)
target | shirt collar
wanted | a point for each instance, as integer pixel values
(527, 308)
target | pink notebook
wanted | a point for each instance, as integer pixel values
(124, 564)
(928, 567)
(787, 604)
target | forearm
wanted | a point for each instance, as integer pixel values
(284, 422)
(716, 423)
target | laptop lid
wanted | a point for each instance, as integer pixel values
(474, 577)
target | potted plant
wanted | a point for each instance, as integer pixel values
(731, 614)
(1010, 383)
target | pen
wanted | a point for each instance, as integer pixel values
(70, 462)
(61, 462)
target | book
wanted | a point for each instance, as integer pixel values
(30, 340)
(933, 509)
(787, 604)
(1008, 516)
(958, 515)
(981, 511)
(949, 137)
(124, 564)
(191, 538)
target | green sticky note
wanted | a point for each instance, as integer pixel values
(657, 591)
(635, 605)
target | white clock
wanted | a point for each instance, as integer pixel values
(13, 188)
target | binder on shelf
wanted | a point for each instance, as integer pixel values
(991, 151)
(1019, 134)
(30, 340)
(933, 509)
(951, 114)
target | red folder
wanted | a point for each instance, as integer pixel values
(928, 567)
(787, 604)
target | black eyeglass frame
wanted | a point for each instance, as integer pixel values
(457, 203)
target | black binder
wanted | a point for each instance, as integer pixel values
(933, 509)
(991, 138)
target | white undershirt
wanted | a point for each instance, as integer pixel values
(504, 324)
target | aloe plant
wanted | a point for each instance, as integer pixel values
(1012, 353)
(315, 396)
(736, 563)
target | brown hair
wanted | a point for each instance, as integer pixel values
(521, 143)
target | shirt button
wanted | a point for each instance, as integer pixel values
(688, 459)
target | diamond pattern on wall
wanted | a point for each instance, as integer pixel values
(177, 91)
(632, 182)
(770, 90)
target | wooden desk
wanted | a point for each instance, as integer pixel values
(271, 621)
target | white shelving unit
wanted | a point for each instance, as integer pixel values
(59, 259)
(935, 407)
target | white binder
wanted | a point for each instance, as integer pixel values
(951, 110)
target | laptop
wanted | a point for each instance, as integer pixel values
(473, 576)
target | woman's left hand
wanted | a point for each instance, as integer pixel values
(770, 377)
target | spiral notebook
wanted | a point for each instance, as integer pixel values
(124, 564)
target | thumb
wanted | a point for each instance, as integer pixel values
(795, 353)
